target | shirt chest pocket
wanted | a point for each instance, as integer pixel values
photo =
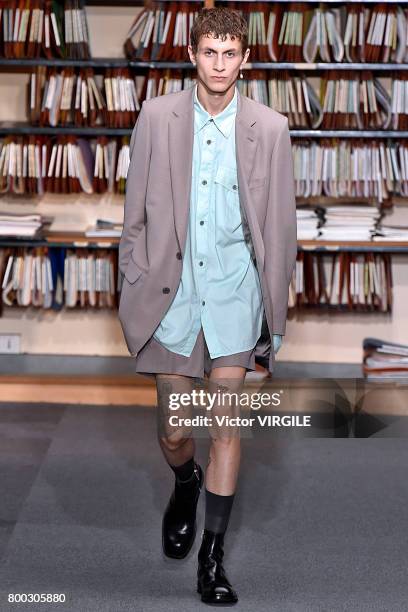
(227, 203)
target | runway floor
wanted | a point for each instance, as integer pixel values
(318, 524)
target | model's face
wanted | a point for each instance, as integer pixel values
(218, 62)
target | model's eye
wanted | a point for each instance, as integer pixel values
(207, 52)
(231, 54)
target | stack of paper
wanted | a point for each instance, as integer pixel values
(382, 359)
(44, 27)
(18, 225)
(104, 228)
(397, 233)
(307, 224)
(349, 223)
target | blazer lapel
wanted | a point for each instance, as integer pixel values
(245, 139)
(180, 143)
(181, 138)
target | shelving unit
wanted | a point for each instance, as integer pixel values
(71, 240)
(81, 241)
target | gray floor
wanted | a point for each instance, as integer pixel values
(318, 524)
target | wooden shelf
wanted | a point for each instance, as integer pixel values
(347, 245)
(22, 127)
(124, 62)
(78, 240)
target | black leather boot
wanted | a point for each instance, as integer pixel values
(212, 582)
(179, 524)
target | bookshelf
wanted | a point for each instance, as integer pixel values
(67, 239)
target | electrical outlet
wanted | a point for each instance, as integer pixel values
(10, 343)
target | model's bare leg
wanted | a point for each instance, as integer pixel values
(177, 443)
(179, 521)
(224, 454)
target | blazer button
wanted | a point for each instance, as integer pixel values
(166, 290)
(178, 255)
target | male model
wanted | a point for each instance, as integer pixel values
(207, 254)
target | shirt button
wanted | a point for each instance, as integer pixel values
(201, 222)
(166, 290)
(201, 263)
(204, 182)
(208, 141)
(178, 255)
(203, 302)
(235, 186)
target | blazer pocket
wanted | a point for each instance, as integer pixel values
(132, 271)
(257, 182)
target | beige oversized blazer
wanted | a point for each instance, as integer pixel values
(157, 204)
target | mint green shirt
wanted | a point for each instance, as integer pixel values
(219, 287)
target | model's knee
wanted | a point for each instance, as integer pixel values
(175, 441)
(223, 441)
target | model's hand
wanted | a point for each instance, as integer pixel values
(277, 342)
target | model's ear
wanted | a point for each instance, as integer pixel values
(191, 55)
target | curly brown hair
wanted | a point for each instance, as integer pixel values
(218, 22)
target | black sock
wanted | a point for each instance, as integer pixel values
(185, 471)
(217, 511)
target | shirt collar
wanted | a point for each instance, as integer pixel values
(223, 121)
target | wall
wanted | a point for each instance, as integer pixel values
(309, 337)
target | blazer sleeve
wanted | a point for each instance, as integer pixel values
(136, 186)
(280, 230)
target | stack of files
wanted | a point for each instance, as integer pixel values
(161, 32)
(261, 28)
(342, 281)
(27, 279)
(105, 229)
(350, 168)
(122, 101)
(354, 101)
(350, 32)
(70, 166)
(271, 34)
(346, 33)
(254, 85)
(22, 164)
(89, 278)
(62, 97)
(290, 95)
(17, 225)
(376, 34)
(49, 277)
(384, 359)
(66, 164)
(76, 30)
(111, 165)
(161, 82)
(285, 33)
(307, 223)
(391, 233)
(399, 108)
(47, 28)
(356, 33)
(323, 40)
(294, 97)
(349, 223)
